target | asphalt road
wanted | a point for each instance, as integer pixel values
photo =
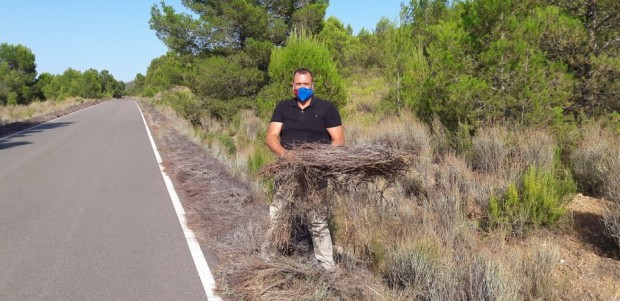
(85, 214)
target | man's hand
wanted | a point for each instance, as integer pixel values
(288, 155)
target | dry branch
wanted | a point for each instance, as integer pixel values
(344, 164)
(302, 177)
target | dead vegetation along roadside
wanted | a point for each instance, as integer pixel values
(301, 178)
(231, 221)
(13, 127)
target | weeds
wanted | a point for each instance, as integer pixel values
(414, 268)
(493, 150)
(611, 220)
(596, 162)
(14, 113)
(538, 270)
(484, 280)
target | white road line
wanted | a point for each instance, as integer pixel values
(206, 277)
(42, 124)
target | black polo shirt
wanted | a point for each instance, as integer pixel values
(308, 125)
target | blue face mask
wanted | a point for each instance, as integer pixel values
(303, 93)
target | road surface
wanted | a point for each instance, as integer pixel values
(85, 213)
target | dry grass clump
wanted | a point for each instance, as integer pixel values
(414, 268)
(508, 153)
(484, 279)
(404, 133)
(596, 162)
(535, 147)
(596, 165)
(14, 113)
(538, 282)
(290, 278)
(611, 219)
(492, 150)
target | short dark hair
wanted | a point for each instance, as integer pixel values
(304, 71)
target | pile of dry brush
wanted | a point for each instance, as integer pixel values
(302, 179)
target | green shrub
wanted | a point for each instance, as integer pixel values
(538, 201)
(259, 157)
(228, 143)
(149, 92)
(11, 98)
(184, 103)
(302, 51)
(226, 109)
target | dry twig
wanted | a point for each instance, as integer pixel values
(301, 179)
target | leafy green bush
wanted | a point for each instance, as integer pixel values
(302, 51)
(538, 201)
(184, 103)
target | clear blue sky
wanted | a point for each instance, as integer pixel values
(114, 35)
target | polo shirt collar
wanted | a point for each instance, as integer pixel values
(294, 102)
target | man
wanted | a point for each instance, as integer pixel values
(305, 119)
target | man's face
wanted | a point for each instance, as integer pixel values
(302, 80)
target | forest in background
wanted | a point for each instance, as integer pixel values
(20, 84)
(470, 63)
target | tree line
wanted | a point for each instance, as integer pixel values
(468, 63)
(20, 84)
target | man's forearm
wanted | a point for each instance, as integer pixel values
(275, 146)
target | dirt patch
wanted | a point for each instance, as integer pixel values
(589, 265)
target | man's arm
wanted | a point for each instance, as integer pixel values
(272, 138)
(337, 135)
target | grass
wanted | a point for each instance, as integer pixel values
(15, 113)
(596, 165)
